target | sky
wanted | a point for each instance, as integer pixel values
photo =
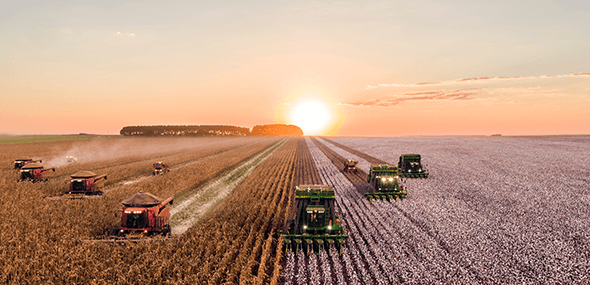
(360, 68)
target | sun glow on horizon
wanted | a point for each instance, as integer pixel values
(312, 116)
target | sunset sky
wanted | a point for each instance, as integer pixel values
(362, 68)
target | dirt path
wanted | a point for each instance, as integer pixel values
(187, 212)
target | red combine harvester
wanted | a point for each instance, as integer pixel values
(87, 183)
(143, 215)
(33, 172)
(160, 168)
(19, 163)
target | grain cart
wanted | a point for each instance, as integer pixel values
(409, 166)
(160, 168)
(384, 181)
(87, 183)
(19, 163)
(350, 165)
(34, 172)
(316, 223)
(143, 215)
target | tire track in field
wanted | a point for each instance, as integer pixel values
(190, 210)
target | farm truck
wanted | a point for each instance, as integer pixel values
(143, 215)
(316, 223)
(19, 163)
(87, 183)
(350, 165)
(410, 166)
(34, 172)
(160, 168)
(384, 181)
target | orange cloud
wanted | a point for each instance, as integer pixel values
(474, 79)
(466, 94)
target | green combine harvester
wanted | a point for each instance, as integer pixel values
(409, 166)
(384, 180)
(316, 225)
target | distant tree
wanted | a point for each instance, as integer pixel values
(276, 130)
(194, 130)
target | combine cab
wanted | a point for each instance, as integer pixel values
(316, 225)
(160, 168)
(384, 180)
(350, 165)
(19, 163)
(143, 215)
(33, 172)
(87, 183)
(410, 166)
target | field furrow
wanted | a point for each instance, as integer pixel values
(493, 211)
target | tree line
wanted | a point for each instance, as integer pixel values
(211, 130)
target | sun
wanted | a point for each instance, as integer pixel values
(312, 116)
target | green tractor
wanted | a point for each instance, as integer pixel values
(384, 181)
(316, 225)
(409, 166)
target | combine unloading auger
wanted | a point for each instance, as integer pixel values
(410, 166)
(316, 223)
(384, 181)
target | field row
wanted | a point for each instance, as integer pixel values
(493, 211)
(38, 241)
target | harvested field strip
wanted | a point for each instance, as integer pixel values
(189, 209)
(244, 245)
(306, 172)
(368, 158)
(358, 179)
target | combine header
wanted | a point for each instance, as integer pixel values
(87, 183)
(350, 165)
(160, 168)
(410, 166)
(317, 224)
(19, 163)
(143, 215)
(33, 172)
(384, 180)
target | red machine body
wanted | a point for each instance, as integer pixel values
(33, 172)
(87, 183)
(160, 168)
(144, 215)
(19, 163)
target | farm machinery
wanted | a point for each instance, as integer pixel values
(316, 224)
(350, 165)
(160, 168)
(384, 181)
(71, 159)
(87, 183)
(143, 215)
(19, 163)
(34, 172)
(409, 166)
